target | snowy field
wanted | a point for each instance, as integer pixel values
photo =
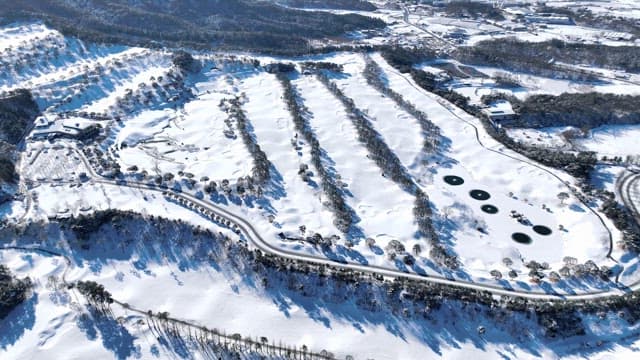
(156, 134)
(608, 140)
(512, 184)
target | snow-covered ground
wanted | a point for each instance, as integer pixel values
(513, 185)
(159, 137)
(607, 140)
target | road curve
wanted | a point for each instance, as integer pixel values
(625, 186)
(252, 235)
(448, 106)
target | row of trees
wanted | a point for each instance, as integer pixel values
(430, 131)
(392, 168)
(343, 214)
(261, 164)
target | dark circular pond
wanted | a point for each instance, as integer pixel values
(542, 230)
(521, 238)
(480, 195)
(453, 180)
(489, 209)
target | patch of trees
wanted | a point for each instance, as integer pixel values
(85, 225)
(582, 110)
(429, 82)
(322, 65)
(277, 68)
(623, 220)
(358, 5)
(17, 112)
(261, 164)
(230, 24)
(343, 214)
(403, 58)
(95, 293)
(7, 170)
(472, 9)
(13, 291)
(185, 61)
(540, 57)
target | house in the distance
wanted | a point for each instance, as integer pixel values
(500, 113)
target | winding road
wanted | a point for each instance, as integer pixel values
(244, 227)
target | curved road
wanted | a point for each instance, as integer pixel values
(449, 107)
(251, 234)
(628, 188)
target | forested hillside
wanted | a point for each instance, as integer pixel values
(221, 24)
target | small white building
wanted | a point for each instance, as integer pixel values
(500, 113)
(549, 19)
(43, 122)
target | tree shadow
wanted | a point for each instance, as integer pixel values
(21, 319)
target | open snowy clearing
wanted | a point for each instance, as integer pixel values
(501, 176)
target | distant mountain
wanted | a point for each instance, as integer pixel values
(230, 24)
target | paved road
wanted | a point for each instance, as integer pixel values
(253, 236)
(628, 188)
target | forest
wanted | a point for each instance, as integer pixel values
(17, 112)
(13, 291)
(583, 110)
(540, 57)
(227, 25)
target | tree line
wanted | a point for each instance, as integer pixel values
(261, 170)
(540, 57)
(343, 214)
(582, 110)
(370, 292)
(393, 169)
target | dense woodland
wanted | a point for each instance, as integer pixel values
(13, 291)
(359, 5)
(472, 9)
(539, 57)
(583, 110)
(223, 24)
(17, 112)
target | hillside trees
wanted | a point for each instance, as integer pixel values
(13, 291)
(230, 24)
